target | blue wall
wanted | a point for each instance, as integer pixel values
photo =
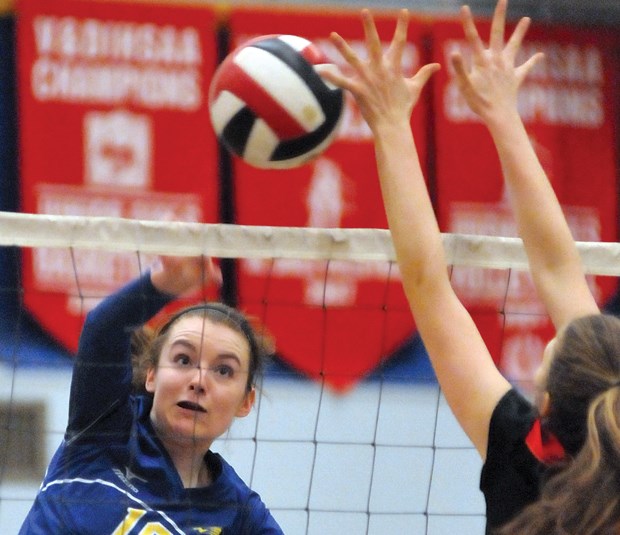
(19, 334)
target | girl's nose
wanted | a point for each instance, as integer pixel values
(199, 380)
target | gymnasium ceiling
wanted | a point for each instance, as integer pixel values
(583, 12)
(588, 12)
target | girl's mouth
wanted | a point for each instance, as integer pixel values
(191, 406)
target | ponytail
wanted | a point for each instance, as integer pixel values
(584, 498)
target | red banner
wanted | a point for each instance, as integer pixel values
(566, 104)
(334, 321)
(114, 121)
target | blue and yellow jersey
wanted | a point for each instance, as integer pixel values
(111, 475)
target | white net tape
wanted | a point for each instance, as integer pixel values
(242, 241)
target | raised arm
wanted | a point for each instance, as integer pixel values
(102, 372)
(490, 86)
(465, 370)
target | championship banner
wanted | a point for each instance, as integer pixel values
(366, 317)
(566, 104)
(114, 122)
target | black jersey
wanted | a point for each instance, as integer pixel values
(512, 475)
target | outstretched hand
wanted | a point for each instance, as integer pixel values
(179, 275)
(383, 94)
(491, 84)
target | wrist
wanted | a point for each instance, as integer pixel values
(386, 128)
(160, 282)
(502, 121)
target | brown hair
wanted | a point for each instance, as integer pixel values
(586, 363)
(584, 498)
(147, 343)
(584, 388)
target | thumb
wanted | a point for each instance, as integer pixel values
(525, 69)
(213, 272)
(424, 73)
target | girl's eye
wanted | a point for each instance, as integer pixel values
(182, 359)
(224, 370)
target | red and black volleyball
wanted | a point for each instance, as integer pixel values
(269, 104)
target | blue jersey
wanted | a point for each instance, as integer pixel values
(111, 475)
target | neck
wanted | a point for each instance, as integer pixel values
(188, 459)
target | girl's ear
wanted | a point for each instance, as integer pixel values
(247, 404)
(149, 383)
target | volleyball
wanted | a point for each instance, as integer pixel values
(269, 104)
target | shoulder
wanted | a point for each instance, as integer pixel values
(225, 474)
(256, 518)
(511, 474)
(511, 420)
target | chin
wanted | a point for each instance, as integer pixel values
(186, 432)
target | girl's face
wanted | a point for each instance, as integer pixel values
(200, 383)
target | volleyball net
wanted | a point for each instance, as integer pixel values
(375, 452)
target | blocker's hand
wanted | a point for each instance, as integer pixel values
(382, 93)
(490, 85)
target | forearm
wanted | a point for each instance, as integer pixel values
(414, 229)
(107, 328)
(460, 359)
(529, 190)
(103, 369)
(553, 257)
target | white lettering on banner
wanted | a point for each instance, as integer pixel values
(566, 63)
(496, 219)
(522, 346)
(116, 63)
(148, 87)
(80, 205)
(570, 106)
(55, 269)
(56, 199)
(565, 89)
(334, 283)
(94, 39)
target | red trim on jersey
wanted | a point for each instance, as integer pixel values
(543, 445)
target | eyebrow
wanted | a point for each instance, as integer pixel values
(220, 356)
(184, 343)
(229, 356)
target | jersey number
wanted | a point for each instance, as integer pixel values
(151, 528)
(132, 518)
